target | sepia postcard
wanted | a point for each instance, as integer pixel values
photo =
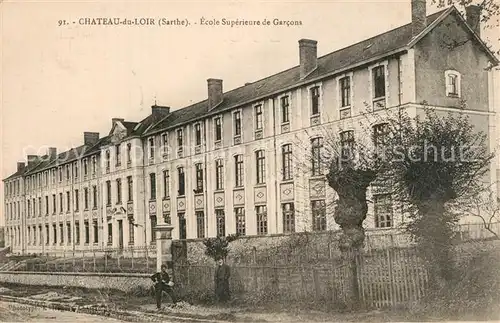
(250, 161)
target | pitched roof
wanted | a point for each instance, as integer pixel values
(335, 62)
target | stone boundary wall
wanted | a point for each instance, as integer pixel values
(120, 281)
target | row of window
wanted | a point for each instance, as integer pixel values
(35, 235)
(383, 217)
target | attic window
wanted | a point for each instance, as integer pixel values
(453, 83)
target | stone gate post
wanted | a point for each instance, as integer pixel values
(164, 246)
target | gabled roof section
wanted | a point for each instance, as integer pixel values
(454, 10)
(376, 47)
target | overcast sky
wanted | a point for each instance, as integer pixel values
(59, 81)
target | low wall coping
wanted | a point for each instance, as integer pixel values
(51, 273)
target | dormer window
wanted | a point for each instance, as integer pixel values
(314, 91)
(453, 83)
(151, 143)
(197, 134)
(164, 143)
(218, 128)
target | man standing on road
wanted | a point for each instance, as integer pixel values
(163, 283)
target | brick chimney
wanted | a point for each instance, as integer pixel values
(215, 93)
(52, 152)
(20, 166)
(91, 138)
(418, 16)
(160, 110)
(308, 56)
(32, 159)
(473, 15)
(115, 120)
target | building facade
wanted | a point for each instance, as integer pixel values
(236, 162)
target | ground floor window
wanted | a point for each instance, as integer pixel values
(382, 207)
(288, 217)
(110, 233)
(220, 219)
(240, 221)
(318, 215)
(200, 224)
(96, 232)
(182, 225)
(261, 212)
(77, 232)
(131, 231)
(153, 221)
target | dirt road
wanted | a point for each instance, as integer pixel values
(15, 312)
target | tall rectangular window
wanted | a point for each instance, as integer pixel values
(452, 85)
(382, 206)
(131, 233)
(288, 217)
(166, 184)
(110, 233)
(86, 198)
(286, 159)
(219, 174)
(378, 82)
(260, 166)
(60, 171)
(68, 231)
(218, 128)
(94, 197)
(200, 224)
(151, 143)
(182, 186)
(258, 117)
(68, 177)
(164, 143)
(87, 232)
(108, 160)
(54, 229)
(118, 191)
(77, 232)
(130, 188)
(60, 203)
(47, 234)
(285, 109)
(345, 91)
(347, 145)
(237, 123)
(61, 233)
(108, 193)
(85, 167)
(180, 138)
(46, 205)
(154, 222)
(220, 219)
(317, 145)
(318, 215)
(197, 134)
(94, 165)
(129, 153)
(240, 221)
(118, 153)
(261, 212)
(182, 226)
(75, 169)
(68, 201)
(54, 204)
(314, 91)
(152, 186)
(39, 207)
(77, 200)
(199, 177)
(238, 160)
(96, 231)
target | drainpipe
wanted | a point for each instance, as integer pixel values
(205, 175)
(144, 158)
